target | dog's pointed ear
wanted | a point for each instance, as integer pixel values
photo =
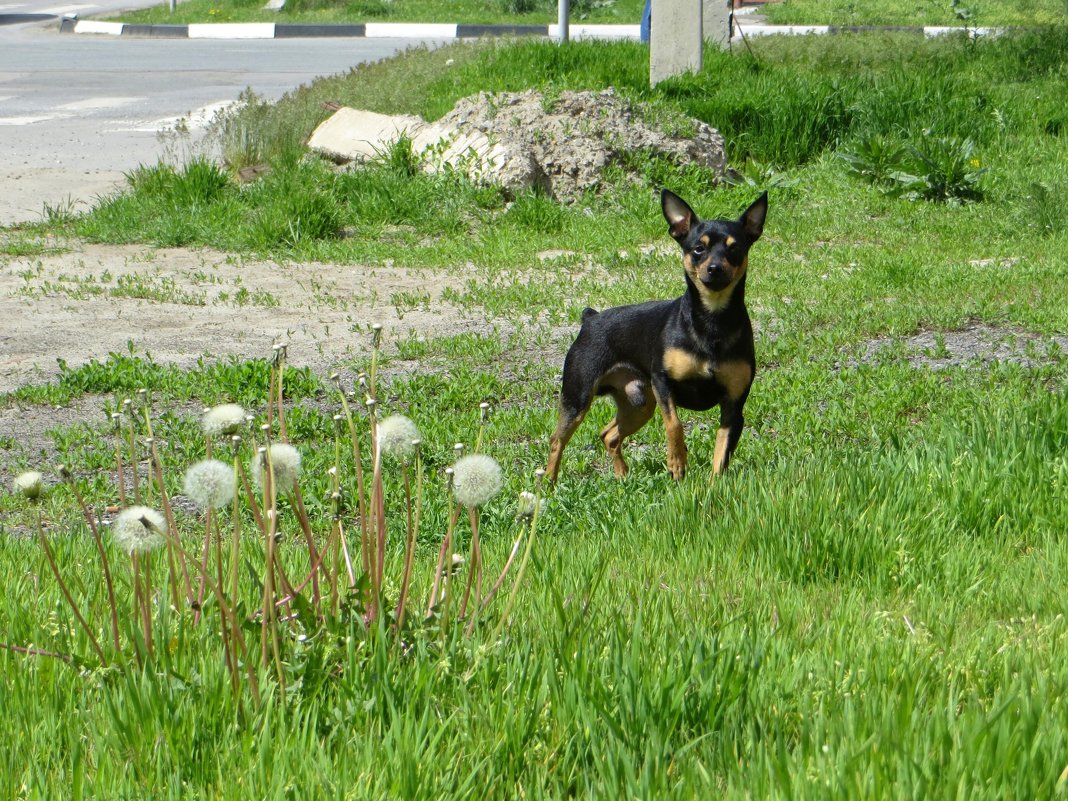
(679, 215)
(753, 217)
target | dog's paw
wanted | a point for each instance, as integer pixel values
(677, 466)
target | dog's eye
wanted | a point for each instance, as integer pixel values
(698, 251)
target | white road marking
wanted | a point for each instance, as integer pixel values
(58, 10)
(195, 120)
(99, 102)
(30, 120)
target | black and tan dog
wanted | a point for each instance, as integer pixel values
(693, 352)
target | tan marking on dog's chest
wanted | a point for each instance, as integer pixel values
(682, 365)
(735, 378)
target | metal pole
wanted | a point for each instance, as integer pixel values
(563, 14)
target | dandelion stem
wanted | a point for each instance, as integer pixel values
(360, 490)
(504, 571)
(20, 649)
(256, 514)
(224, 619)
(134, 462)
(168, 514)
(235, 542)
(269, 629)
(66, 593)
(228, 611)
(143, 599)
(474, 576)
(446, 545)
(106, 565)
(119, 471)
(313, 556)
(281, 409)
(519, 576)
(409, 552)
(204, 556)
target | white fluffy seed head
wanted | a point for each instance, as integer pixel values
(210, 483)
(139, 529)
(224, 419)
(527, 506)
(285, 461)
(396, 435)
(29, 485)
(476, 479)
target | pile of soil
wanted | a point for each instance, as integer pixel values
(564, 143)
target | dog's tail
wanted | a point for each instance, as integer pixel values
(587, 313)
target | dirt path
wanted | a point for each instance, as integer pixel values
(181, 304)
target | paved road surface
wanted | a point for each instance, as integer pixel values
(78, 111)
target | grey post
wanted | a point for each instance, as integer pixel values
(717, 22)
(563, 14)
(675, 39)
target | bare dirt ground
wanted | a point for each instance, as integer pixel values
(90, 300)
(28, 190)
(179, 305)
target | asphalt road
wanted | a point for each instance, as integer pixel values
(78, 111)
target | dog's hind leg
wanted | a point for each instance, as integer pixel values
(566, 424)
(634, 407)
(573, 408)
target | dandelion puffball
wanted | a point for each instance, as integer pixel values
(528, 505)
(29, 485)
(210, 483)
(285, 461)
(476, 479)
(224, 419)
(396, 437)
(139, 529)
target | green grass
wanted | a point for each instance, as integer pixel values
(915, 12)
(516, 12)
(870, 604)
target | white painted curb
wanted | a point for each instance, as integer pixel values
(91, 26)
(236, 30)
(598, 32)
(415, 30)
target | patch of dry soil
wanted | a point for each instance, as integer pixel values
(975, 344)
(181, 304)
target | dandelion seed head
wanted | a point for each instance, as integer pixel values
(285, 461)
(138, 529)
(528, 504)
(224, 419)
(29, 485)
(210, 483)
(476, 479)
(396, 435)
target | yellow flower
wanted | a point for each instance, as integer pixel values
(975, 163)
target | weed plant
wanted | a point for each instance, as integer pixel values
(278, 607)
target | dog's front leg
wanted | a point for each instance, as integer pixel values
(676, 437)
(731, 422)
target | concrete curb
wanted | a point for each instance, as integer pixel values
(369, 30)
(404, 30)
